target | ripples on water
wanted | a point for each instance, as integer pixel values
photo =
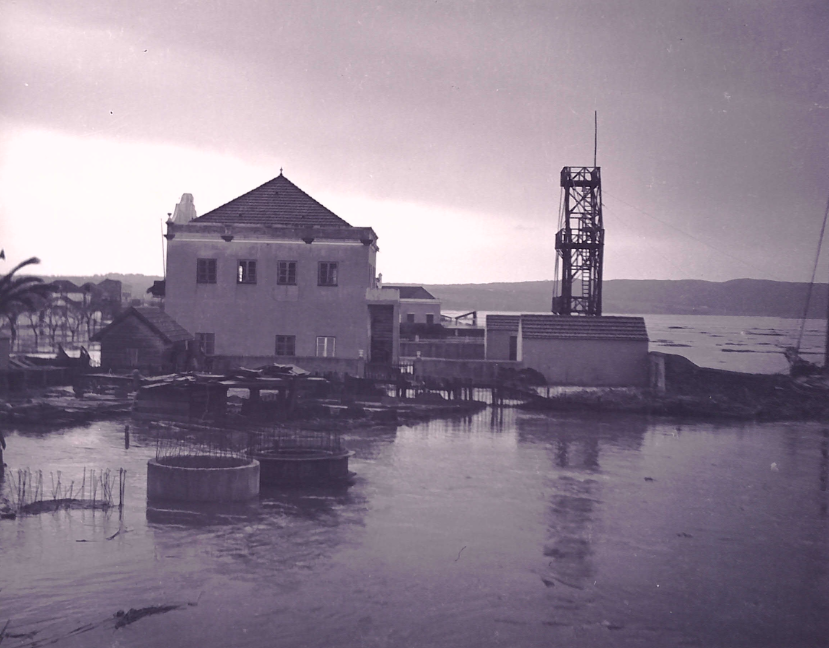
(514, 529)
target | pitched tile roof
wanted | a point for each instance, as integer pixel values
(585, 328)
(411, 292)
(502, 322)
(159, 321)
(278, 202)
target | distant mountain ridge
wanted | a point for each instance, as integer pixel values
(748, 297)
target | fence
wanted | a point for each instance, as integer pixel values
(96, 490)
(193, 440)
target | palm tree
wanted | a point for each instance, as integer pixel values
(18, 294)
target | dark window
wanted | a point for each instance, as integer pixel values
(513, 347)
(327, 274)
(206, 342)
(326, 347)
(246, 271)
(132, 357)
(430, 318)
(206, 271)
(286, 273)
(286, 345)
(410, 318)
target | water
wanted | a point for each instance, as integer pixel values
(750, 344)
(514, 530)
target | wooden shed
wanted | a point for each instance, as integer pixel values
(144, 338)
(586, 351)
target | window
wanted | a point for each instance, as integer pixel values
(206, 342)
(327, 274)
(286, 345)
(326, 347)
(206, 271)
(246, 272)
(286, 273)
(410, 318)
(430, 318)
(132, 357)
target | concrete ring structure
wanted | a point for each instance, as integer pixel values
(202, 478)
(303, 466)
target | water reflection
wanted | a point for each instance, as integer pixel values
(823, 477)
(506, 528)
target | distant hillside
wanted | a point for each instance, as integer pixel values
(621, 296)
(135, 284)
(752, 297)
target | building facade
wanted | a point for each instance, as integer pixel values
(274, 276)
(417, 305)
(502, 337)
(585, 351)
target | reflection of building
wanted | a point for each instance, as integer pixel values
(275, 276)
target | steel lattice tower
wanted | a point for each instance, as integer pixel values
(580, 243)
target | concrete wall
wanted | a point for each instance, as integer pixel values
(420, 308)
(593, 363)
(340, 366)
(497, 344)
(450, 348)
(233, 483)
(245, 318)
(476, 370)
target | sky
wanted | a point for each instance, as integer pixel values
(442, 125)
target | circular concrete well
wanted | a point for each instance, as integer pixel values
(303, 466)
(202, 478)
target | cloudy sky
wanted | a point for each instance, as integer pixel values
(443, 125)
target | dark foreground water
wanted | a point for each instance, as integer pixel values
(525, 531)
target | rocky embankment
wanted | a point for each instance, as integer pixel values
(699, 392)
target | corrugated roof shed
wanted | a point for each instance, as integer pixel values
(502, 322)
(278, 202)
(411, 292)
(585, 328)
(155, 318)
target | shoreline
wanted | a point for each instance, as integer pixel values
(692, 392)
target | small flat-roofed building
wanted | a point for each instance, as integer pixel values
(502, 337)
(585, 351)
(143, 338)
(417, 305)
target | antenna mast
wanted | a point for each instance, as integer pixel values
(580, 243)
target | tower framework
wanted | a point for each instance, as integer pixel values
(580, 244)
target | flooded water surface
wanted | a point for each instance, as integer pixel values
(517, 530)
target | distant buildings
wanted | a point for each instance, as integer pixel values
(417, 305)
(273, 275)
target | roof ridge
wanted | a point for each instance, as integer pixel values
(265, 203)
